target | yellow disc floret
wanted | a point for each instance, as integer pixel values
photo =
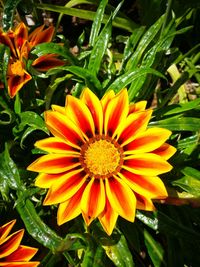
(102, 157)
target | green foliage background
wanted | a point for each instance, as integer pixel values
(150, 47)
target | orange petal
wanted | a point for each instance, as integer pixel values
(54, 163)
(108, 218)
(165, 151)
(11, 243)
(139, 106)
(121, 198)
(15, 83)
(80, 115)
(22, 253)
(93, 200)
(144, 203)
(95, 107)
(59, 109)
(66, 187)
(56, 145)
(20, 264)
(116, 111)
(47, 62)
(61, 126)
(106, 99)
(5, 39)
(148, 186)
(45, 180)
(20, 37)
(41, 36)
(71, 208)
(147, 164)
(33, 34)
(5, 229)
(134, 124)
(150, 140)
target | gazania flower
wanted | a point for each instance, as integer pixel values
(11, 252)
(20, 44)
(102, 160)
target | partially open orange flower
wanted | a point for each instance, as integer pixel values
(103, 161)
(20, 44)
(11, 252)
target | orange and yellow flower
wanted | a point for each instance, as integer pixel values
(11, 252)
(20, 44)
(103, 160)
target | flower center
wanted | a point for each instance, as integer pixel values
(101, 158)
(16, 68)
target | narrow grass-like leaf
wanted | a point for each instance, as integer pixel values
(179, 123)
(148, 220)
(119, 22)
(178, 108)
(147, 38)
(189, 184)
(96, 25)
(155, 251)
(4, 59)
(189, 171)
(8, 13)
(120, 254)
(125, 79)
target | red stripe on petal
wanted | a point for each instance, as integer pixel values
(46, 62)
(106, 99)
(95, 107)
(121, 198)
(45, 180)
(116, 111)
(134, 124)
(93, 200)
(165, 151)
(11, 243)
(22, 253)
(5, 229)
(147, 164)
(144, 203)
(20, 37)
(80, 114)
(71, 208)
(150, 140)
(43, 36)
(66, 187)
(61, 126)
(108, 218)
(20, 264)
(15, 83)
(149, 186)
(139, 106)
(54, 163)
(56, 145)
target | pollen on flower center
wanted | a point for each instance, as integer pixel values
(101, 158)
(16, 68)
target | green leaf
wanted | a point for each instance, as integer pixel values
(155, 251)
(53, 48)
(100, 47)
(8, 171)
(8, 13)
(120, 254)
(178, 123)
(17, 104)
(178, 108)
(147, 38)
(96, 25)
(4, 59)
(125, 79)
(30, 118)
(148, 219)
(120, 22)
(190, 182)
